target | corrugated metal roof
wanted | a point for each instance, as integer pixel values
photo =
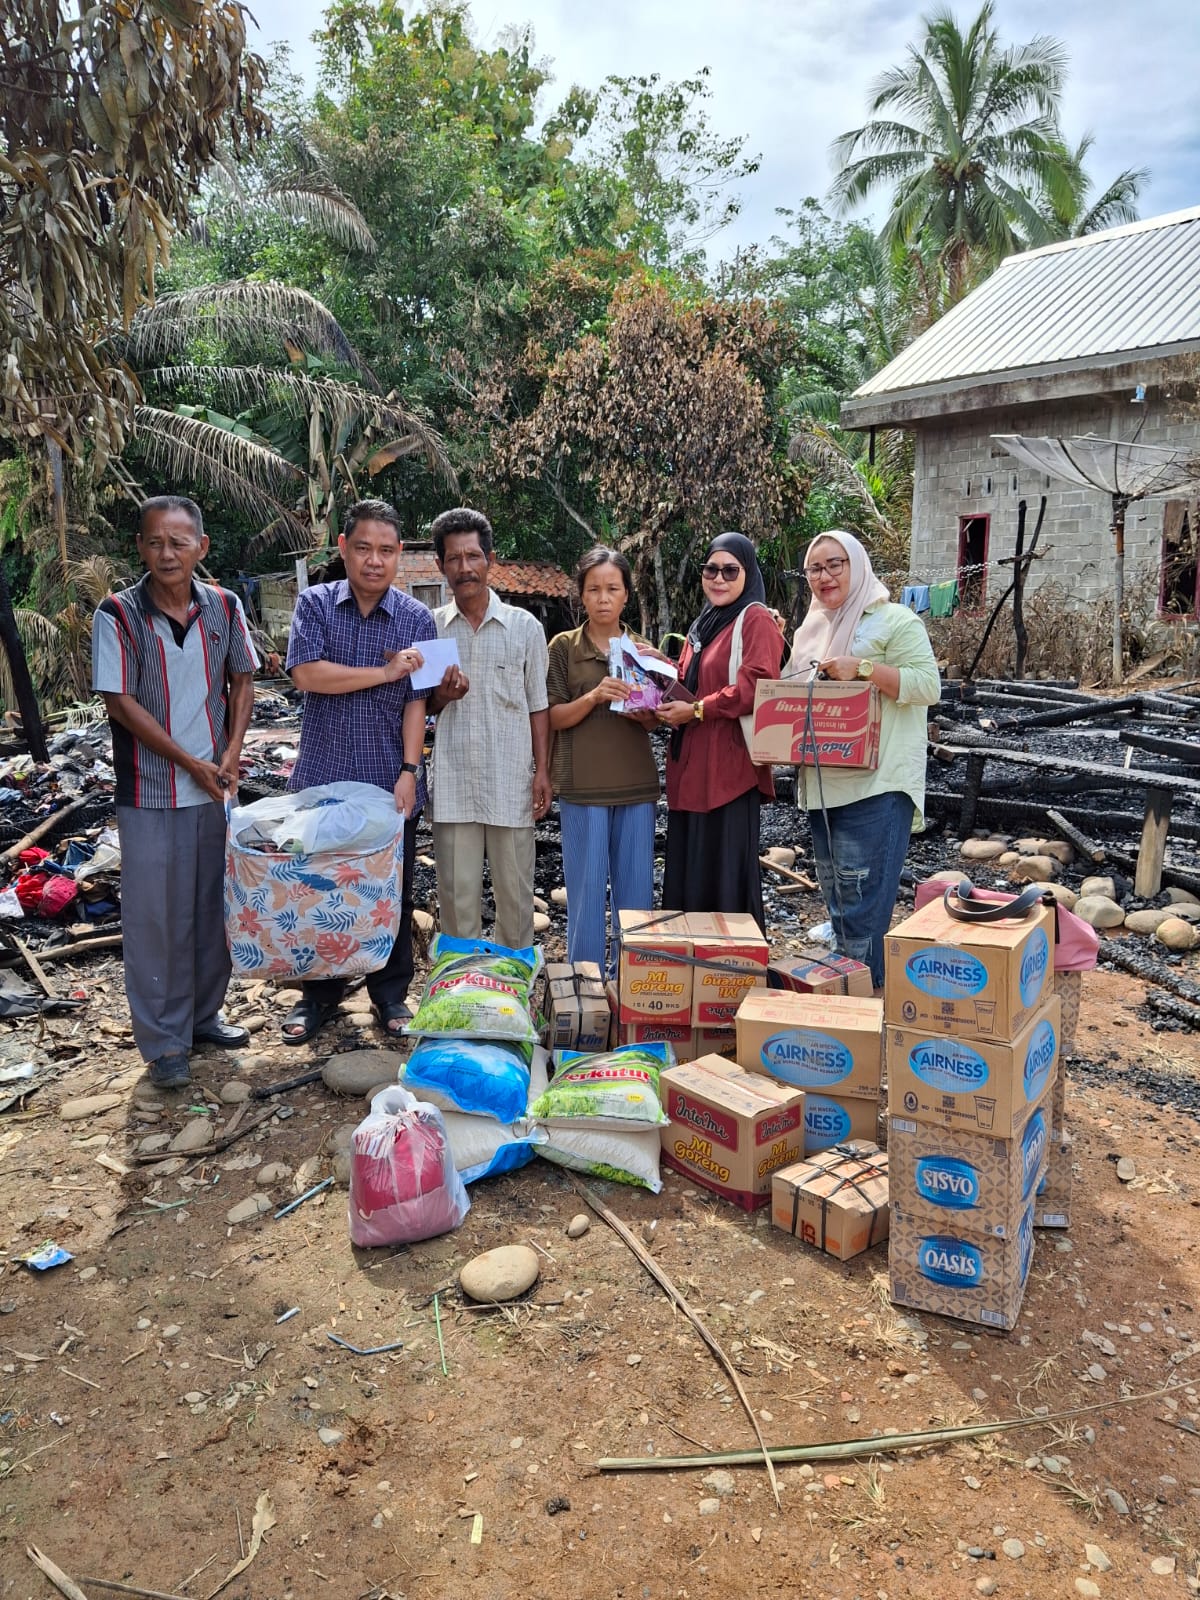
(1131, 289)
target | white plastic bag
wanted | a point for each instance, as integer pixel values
(403, 1183)
(335, 818)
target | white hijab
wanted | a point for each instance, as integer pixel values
(825, 633)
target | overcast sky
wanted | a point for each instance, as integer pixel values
(791, 75)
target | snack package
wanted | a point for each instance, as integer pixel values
(615, 1089)
(403, 1183)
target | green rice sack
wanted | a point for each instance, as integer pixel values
(613, 1089)
(477, 990)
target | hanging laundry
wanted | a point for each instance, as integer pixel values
(943, 598)
(916, 597)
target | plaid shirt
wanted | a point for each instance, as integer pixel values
(356, 737)
(483, 753)
(182, 685)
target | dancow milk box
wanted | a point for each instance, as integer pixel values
(976, 1085)
(824, 1044)
(978, 980)
(729, 1130)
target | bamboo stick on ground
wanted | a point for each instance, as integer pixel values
(661, 1278)
(787, 872)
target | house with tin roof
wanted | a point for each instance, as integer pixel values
(1078, 338)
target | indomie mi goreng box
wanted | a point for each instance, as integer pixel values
(729, 1130)
(980, 980)
(835, 725)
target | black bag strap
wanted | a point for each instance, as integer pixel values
(960, 902)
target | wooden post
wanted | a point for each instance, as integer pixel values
(31, 717)
(972, 783)
(1147, 880)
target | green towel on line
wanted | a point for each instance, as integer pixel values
(943, 598)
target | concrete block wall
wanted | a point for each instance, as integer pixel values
(951, 450)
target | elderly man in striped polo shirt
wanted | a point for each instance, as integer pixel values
(173, 661)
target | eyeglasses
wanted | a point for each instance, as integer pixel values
(726, 574)
(833, 567)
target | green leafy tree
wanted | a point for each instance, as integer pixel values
(1073, 214)
(965, 133)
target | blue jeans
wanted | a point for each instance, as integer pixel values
(604, 846)
(860, 851)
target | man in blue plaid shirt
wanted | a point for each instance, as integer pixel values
(353, 647)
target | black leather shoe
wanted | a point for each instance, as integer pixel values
(225, 1034)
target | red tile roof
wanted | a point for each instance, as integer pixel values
(535, 579)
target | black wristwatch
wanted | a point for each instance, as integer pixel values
(408, 766)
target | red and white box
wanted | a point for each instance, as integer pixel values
(836, 724)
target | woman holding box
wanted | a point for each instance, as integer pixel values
(861, 819)
(714, 791)
(603, 767)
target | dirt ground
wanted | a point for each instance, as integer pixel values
(151, 1395)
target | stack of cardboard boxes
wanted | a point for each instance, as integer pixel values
(682, 978)
(972, 1029)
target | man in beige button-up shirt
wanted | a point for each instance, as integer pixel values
(491, 758)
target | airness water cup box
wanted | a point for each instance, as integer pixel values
(962, 1181)
(953, 1273)
(731, 958)
(654, 985)
(830, 1120)
(799, 724)
(974, 1085)
(729, 1130)
(980, 980)
(837, 1201)
(829, 1044)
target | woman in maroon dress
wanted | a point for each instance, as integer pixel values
(714, 791)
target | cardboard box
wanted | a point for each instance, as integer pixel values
(953, 1274)
(652, 984)
(795, 723)
(577, 1006)
(736, 945)
(960, 1180)
(1069, 988)
(1052, 1202)
(978, 1085)
(830, 1120)
(828, 1043)
(678, 1035)
(980, 980)
(729, 1130)
(821, 973)
(837, 1201)
(716, 1042)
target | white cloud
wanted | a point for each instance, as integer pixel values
(790, 75)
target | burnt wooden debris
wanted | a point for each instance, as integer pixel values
(1018, 762)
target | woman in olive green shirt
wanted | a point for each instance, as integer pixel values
(603, 768)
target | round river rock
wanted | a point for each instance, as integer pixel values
(355, 1071)
(500, 1274)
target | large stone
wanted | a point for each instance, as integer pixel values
(781, 855)
(558, 897)
(1009, 858)
(423, 920)
(541, 922)
(1100, 910)
(1028, 847)
(91, 1105)
(1058, 848)
(540, 905)
(1101, 886)
(1186, 910)
(981, 849)
(1177, 934)
(1179, 897)
(233, 1092)
(273, 1172)
(1064, 896)
(1148, 921)
(254, 1205)
(356, 1071)
(196, 1134)
(1033, 869)
(500, 1274)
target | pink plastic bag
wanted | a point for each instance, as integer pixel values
(403, 1182)
(1076, 942)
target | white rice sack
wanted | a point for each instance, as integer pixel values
(630, 1156)
(481, 1147)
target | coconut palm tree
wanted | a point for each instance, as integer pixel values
(965, 131)
(1072, 216)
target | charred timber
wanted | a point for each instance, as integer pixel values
(1064, 693)
(1005, 810)
(1178, 1010)
(1173, 749)
(1076, 713)
(1078, 841)
(1133, 959)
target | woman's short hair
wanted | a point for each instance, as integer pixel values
(601, 556)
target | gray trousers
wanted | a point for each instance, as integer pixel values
(459, 849)
(173, 920)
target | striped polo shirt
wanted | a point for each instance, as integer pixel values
(181, 681)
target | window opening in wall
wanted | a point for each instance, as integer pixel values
(972, 561)
(429, 594)
(1179, 579)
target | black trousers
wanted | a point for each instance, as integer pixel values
(712, 859)
(387, 985)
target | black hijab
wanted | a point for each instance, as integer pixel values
(713, 620)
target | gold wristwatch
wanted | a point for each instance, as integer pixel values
(866, 669)
(698, 710)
